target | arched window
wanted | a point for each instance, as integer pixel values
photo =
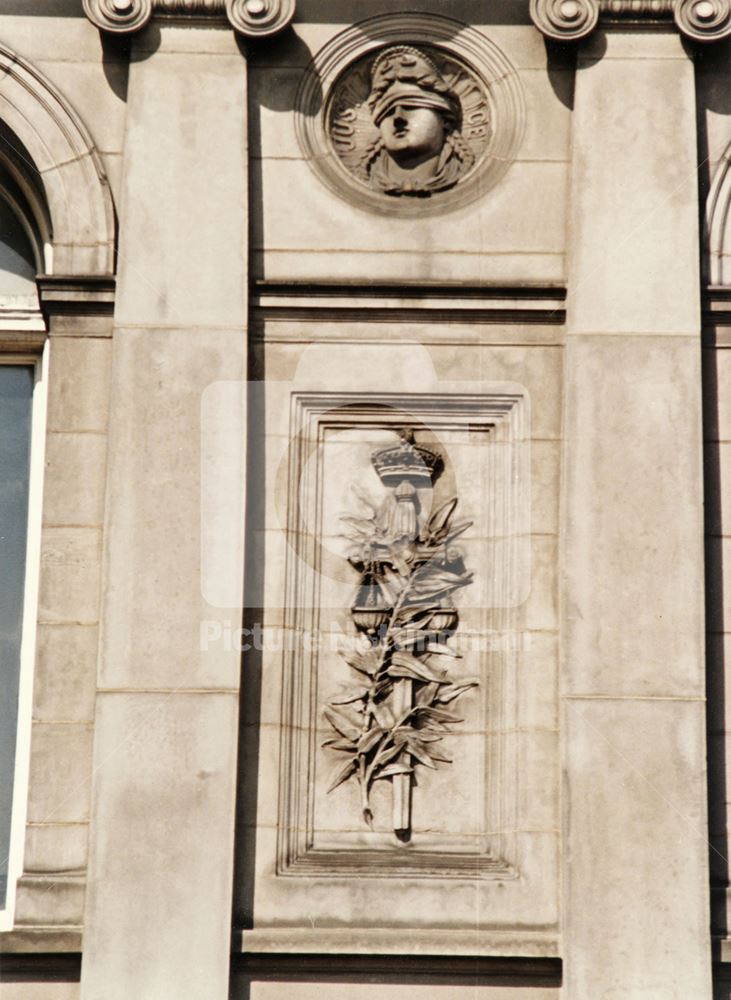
(22, 419)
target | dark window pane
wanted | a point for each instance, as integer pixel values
(16, 391)
(17, 263)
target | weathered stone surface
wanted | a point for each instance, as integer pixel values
(168, 762)
(70, 571)
(632, 622)
(97, 90)
(635, 769)
(60, 772)
(39, 991)
(643, 202)
(65, 677)
(327, 226)
(51, 848)
(657, 622)
(189, 189)
(166, 737)
(75, 479)
(349, 991)
(154, 608)
(51, 900)
(78, 392)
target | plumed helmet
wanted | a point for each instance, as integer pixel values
(402, 75)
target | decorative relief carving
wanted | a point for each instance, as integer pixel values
(463, 819)
(196, 8)
(252, 18)
(571, 20)
(396, 716)
(409, 122)
(118, 16)
(260, 18)
(565, 20)
(704, 20)
(426, 118)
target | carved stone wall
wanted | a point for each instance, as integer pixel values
(481, 826)
(354, 238)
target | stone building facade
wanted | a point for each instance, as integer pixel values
(365, 429)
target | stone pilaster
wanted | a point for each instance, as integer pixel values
(158, 916)
(636, 918)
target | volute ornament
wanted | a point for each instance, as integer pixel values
(260, 18)
(565, 20)
(704, 20)
(251, 18)
(571, 20)
(118, 16)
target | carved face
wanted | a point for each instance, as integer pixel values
(412, 135)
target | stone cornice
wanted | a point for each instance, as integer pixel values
(571, 20)
(251, 18)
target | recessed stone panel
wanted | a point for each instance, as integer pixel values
(355, 840)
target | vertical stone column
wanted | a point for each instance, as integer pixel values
(636, 917)
(158, 916)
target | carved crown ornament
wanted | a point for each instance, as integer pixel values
(408, 115)
(251, 18)
(393, 719)
(572, 20)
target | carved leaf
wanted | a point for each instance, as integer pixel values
(350, 695)
(441, 649)
(440, 517)
(342, 724)
(417, 750)
(342, 774)
(368, 740)
(439, 715)
(383, 715)
(391, 584)
(430, 736)
(457, 529)
(408, 673)
(451, 691)
(411, 611)
(391, 769)
(385, 755)
(436, 576)
(426, 694)
(345, 745)
(403, 664)
(437, 582)
(383, 687)
(400, 563)
(364, 663)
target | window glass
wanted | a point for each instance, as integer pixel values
(16, 396)
(17, 262)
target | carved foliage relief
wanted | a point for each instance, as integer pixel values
(394, 719)
(407, 561)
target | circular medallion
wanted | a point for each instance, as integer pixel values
(410, 115)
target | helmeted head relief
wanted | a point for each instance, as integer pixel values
(407, 78)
